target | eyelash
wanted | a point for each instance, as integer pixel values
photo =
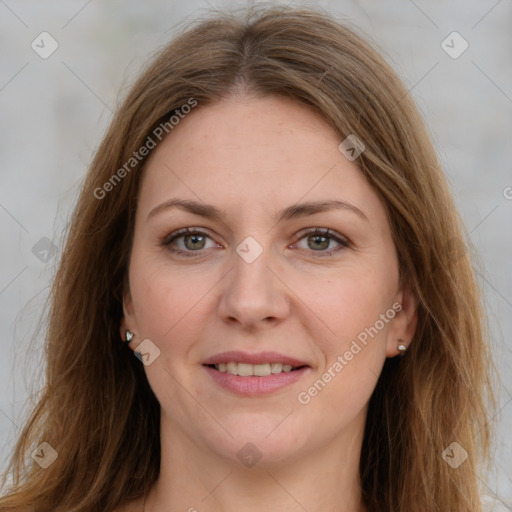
(313, 231)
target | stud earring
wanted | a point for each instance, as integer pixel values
(401, 347)
(129, 337)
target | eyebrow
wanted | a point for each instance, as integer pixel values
(291, 212)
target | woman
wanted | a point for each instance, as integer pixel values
(267, 228)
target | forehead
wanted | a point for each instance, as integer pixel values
(247, 152)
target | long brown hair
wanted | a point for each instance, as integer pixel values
(97, 409)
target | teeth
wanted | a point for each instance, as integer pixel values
(261, 370)
(244, 370)
(248, 370)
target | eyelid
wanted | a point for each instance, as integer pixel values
(324, 231)
(343, 241)
(179, 233)
(185, 231)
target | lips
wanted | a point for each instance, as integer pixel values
(256, 358)
(248, 374)
(254, 386)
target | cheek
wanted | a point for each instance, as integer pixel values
(347, 304)
(354, 348)
(357, 308)
(169, 301)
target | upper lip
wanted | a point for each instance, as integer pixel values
(256, 358)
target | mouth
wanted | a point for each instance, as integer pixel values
(255, 375)
(254, 370)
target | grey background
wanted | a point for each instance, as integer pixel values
(54, 112)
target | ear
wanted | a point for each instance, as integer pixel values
(403, 325)
(128, 322)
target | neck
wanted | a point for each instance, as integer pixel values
(194, 479)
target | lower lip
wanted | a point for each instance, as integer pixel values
(256, 386)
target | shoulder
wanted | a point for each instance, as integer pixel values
(490, 504)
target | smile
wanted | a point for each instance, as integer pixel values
(255, 380)
(256, 370)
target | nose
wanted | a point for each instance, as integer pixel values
(254, 294)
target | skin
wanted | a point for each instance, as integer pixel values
(252, 157)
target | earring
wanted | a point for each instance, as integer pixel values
(129, 337)
(401, 347)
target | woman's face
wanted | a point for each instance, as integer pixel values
(252, 179)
